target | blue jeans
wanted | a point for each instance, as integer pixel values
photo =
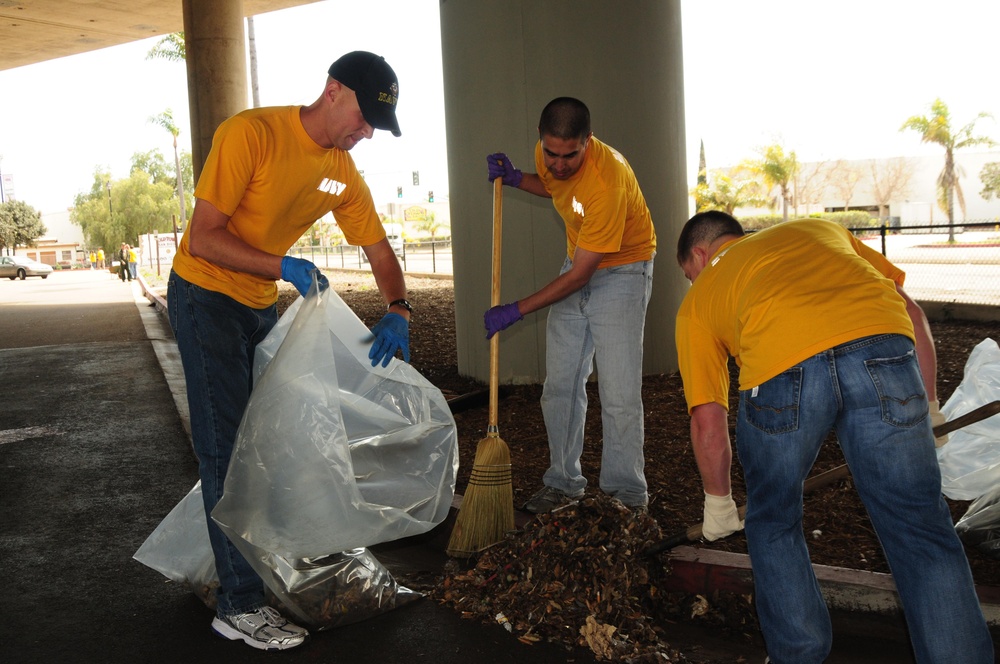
(871, 393)
(604, 319)
(216, 337)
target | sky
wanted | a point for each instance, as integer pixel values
(827, 80)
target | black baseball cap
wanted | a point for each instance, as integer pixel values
(375, 84)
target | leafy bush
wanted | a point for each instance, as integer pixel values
(759, 223)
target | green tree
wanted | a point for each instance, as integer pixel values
(115, 212)
(170, 47)
(166, 120)
(778, 171)
(937, 128)
(701, 191)
(91, 211)
(990, 177)
(737, 188)
(20, 224)
(146, 206)
(430, 224)
(153, 164)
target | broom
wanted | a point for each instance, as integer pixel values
(487, 511)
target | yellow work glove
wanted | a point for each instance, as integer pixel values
(721, 517)
(937, 418)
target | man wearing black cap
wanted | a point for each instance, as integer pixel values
(271, 173)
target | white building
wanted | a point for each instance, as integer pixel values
(836, 185)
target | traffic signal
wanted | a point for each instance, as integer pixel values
(399, 192)
(430, 196)
(416, 178)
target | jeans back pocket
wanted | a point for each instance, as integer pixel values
(773, 407)
(900, 389)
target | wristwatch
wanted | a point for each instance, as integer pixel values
(401, 302)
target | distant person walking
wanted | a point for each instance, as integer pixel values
(133, 260)
(123, 263)
(100, 258)
(92, 260)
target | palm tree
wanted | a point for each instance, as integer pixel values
(170, 47)
(937, 129)
(166, 120)
(778, 170)
(429, 224)
(732, 190)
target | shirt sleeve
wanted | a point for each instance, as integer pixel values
(229, 166)
(704, 365)
(356, 216)
(879, 262)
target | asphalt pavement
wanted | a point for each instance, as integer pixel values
(94, 452)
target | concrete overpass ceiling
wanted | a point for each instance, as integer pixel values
(37, 30)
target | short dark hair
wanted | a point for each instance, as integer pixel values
(565, 117)
(705, 228)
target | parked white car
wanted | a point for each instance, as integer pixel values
(21, 267)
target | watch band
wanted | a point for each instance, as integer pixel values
(401, 302)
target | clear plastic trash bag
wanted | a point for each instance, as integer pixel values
(970, 460)
(323, 593)
(332, 453)
(335, 590)
(179, 548)
(979, 528)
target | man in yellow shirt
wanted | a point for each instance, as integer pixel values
(825, 339)
(597, 304)
(271, 173)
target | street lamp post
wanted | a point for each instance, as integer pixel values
(111, 212)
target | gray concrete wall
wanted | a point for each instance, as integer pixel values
(503, 61)
(217, 69)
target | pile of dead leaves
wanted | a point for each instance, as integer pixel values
(576, 576)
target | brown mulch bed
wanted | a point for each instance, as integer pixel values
(847, 538)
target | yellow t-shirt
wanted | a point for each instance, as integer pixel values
(778, 297)
(602, 207)
(275, 182)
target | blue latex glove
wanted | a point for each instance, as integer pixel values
(500, 167)
(500, 318)
(299, 271)
(392, 333)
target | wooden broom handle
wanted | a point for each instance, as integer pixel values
(494, 301)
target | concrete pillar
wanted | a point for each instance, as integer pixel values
(217, 69)
(503, 61)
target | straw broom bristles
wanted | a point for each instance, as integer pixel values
(487, 512)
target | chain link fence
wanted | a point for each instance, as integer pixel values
(945, 263)
(430, 257)
(949, 264)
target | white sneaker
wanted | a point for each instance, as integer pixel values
(264, 629)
